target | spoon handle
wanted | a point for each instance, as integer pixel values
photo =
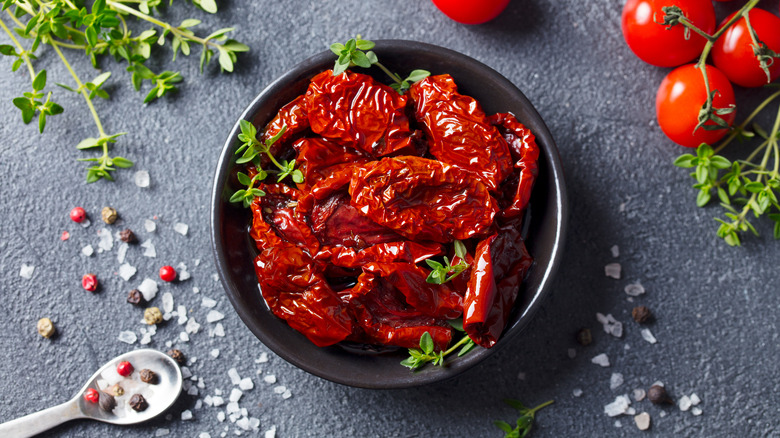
(41, 421)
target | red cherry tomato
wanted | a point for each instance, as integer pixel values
(167, 273)
(471, 11)
(733, 51)
(656, 45)
(681, 96)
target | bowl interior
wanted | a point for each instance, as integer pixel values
(234, 250)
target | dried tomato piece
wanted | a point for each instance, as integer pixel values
(500, 264)
(436, 300)
(278, 213)
(389, 252)
(385, 319)
(458, 130)
(525, 152)
(423, 199)
(355, 110)
(292, 116)
(319, 158)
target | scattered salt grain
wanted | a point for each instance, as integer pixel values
(127, 337)
(615, 380)
(142, 179)
(243, 423)
(126, 271)
(577, 392)
(161, 432)
(184, 337)
(287, 394)
(198, 404)
(149, 250)
(196, 290)
(610, 324)
(121, 252)
(696, 411)
(186, 415)
(612, 270)
(149, 225)
(601, 359)
(26, 271)
(204, 435)
(642, 421)
(246, 384)
(146, 339)
(193, 391)
(269, 379)
(615, 251)
(634, 289)
(270, 433)
(232, 408)
(695, 400)
(639, 394)
(280, 389)
(167, 302)
(208, 302)
(572, 353)
(215, 277)
(685, 403)
(235, 395)
(234, 377)
(86, 223)
(254, 423)
(218, 401)
(181, 312)
(182, 272)
(219, 330)
(193, 327)
(214, 316)
(262, 359)
(185, 373)
(618, 423)
(181, 228)
(618, 407)
(106, 242)
(214, 353)
(647, 335)
(87, 251)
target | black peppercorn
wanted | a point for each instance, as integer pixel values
(177, 355)
(107, 401)
(641, 314)
(584, 337)
(657, 394)
(148, 376)
(127, 236)
(138, 403)
(136, 298)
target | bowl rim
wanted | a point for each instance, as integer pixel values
(549, 151)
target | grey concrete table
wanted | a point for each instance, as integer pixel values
(715, 306)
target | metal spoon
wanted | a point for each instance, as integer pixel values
(159, 396)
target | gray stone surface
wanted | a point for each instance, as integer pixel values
(716, 306)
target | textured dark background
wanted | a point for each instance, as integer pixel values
(716, 306)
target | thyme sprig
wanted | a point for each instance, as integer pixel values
(357, 53)
(418, 357)
(99, 29)
(442, 273)
(524, 423)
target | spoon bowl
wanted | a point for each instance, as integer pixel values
(159, 396)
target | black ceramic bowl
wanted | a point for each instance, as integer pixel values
(234, 250)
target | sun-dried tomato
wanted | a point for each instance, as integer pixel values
(459, 131)
(390, 252)
(319, 158)
(525, 152)
(423, 199)
(500, 264)
(354, 109)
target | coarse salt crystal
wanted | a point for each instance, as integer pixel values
(618, 423)
(86, 223)
(167, 302)
(126, 271)
(615, 250)
(639, 394)
(634, 289)
(262, 359)
(193, 391)
(618, 407)
(121, 252)
(219, 330)
(246, 384)
(161, 432)
(204, 435)
(183, 274)
(642, 421)
(192, 326)
(198, 404)
(235, 395)
(601, 359)
(280, 389)
(234, 377)
(610, 324)
(232, 408)
(184, 337)
(647, 335)
(217, 401)
(149, 225)
(214, 353)
(221, 417)
(215, 277)
(287, 394)
(696, 411)
(26, 271)
(615, 380)
(87, 251)
(181, 228)
(685, 403)
(214, 316)
(149, 250)
(185, 373)
(106, 242)
(630, 411)
(127, 337)
(243, 423)
(269, 379)
(577, 392)
(208, 302)
(141, 179)
(195, 290)
(613, 270)
(254, 423)
(186, 415)
(270, 433)
(695, 400)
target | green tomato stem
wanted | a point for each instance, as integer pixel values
(752, 115)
